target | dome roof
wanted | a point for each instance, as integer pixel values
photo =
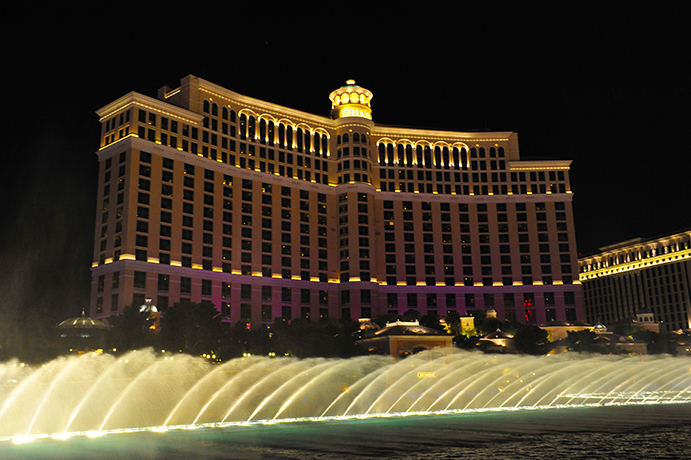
(82, 322)
(498, 334)
(599, 328)
(351, 100)
(367, 323)
(407, 328)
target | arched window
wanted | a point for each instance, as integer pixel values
(271, 133)
(382, 154)
(289, 137)
(317, 144)
(409, 155)
(356, 137)
(437, 157)
(250, 128)
(363, 138)
(281, 135)
(243, 126)
(299, 140)
(214, 109)
(206, 106)
(224, 113)
(262, 131)
(401, 154)
(428, 157)
(345, 138)
(232, 116)
(308, 138)
(325, 146)
(338, 140)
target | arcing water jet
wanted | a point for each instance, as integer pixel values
(90, 394)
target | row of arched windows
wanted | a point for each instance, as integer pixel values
(285, 135)
(357, 137)
(405, 155)
(301, 140)
(650, 250)
(438, 157)
(212, 108)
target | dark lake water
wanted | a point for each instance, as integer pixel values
(623, 432)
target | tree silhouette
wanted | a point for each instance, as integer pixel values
(190, 327)
(130, 330)
(531, 340)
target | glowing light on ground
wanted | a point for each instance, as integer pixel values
(22, 439)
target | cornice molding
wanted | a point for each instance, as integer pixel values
(135, 99)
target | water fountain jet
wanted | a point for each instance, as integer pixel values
(93, 395)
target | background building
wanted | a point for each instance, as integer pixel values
(638, 276)
(267, 211)
(402, 338)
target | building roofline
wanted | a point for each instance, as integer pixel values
(639, 241)
(383, 130)
(270, 107)
(150, 103)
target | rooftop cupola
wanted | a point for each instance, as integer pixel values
(351, 100)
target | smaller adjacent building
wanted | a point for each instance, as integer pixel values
(404, 338)
(605, 340)
(628, 281)
(645, 321)
(601, 340)
(558, 330)
(684, 344)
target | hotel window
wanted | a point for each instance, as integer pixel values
(392, 300)
(411, 299)
(569, 298)
(304, 296)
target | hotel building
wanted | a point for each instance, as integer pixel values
(640, 275)
(208, 195)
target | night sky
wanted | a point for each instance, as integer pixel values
(607, 87)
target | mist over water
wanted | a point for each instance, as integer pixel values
(46, 235)
(104, 394)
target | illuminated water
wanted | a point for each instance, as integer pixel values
(147, 404)
(613, 432)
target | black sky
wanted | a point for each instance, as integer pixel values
(607, 87)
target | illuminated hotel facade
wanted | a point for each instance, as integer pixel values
(640, 275)
(266, 211)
